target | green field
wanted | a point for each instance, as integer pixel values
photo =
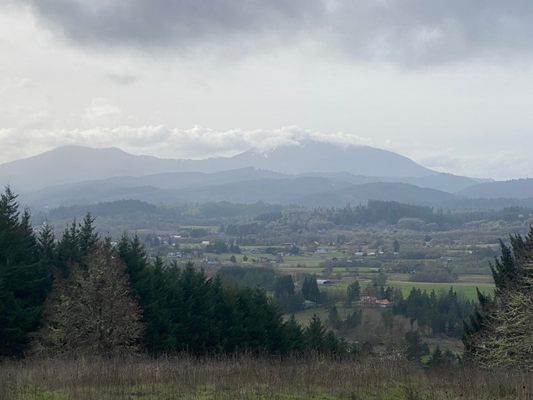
(467, 289)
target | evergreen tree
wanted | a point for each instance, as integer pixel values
(87, 236)
(353, 320)
(353, 292)
(315, 335)
(284, 286)
(415, 347)
(68, 248)
(24, 278)
(294, 336)
(184, 310)
(285, 295)
(310, 290)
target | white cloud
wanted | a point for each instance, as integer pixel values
(197, 142)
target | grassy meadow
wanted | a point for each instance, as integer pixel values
(252, 378)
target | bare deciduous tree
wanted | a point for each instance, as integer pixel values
(92, 311)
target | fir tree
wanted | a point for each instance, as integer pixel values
(24, 277)
(310, 290)
(315, 335)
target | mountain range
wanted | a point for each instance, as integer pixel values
(310, 173)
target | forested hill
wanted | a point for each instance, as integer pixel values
(179, 188)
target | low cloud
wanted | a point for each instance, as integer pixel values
(200, 142)
(163, 141)
(495, 166)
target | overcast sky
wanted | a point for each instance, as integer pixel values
(448, 83)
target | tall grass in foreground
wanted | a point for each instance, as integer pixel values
(252, 378)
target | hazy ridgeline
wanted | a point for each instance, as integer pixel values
(252, 378)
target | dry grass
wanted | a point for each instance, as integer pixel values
(251, 378)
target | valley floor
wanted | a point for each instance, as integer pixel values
(251, 378)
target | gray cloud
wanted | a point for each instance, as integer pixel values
(176, 24)
(408, 31)
(122, 78)
(421, 31)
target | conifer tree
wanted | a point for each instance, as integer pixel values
(24, 279)
(294, 336)
(87, 236)
(184, 310)
(353, 292)
(315, 335)
(310, 289)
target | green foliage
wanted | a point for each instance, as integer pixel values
(389, 211)
(75, 244)
(25, 275)
(183, 310)
(248, 276)
(441, 312)
(353, 292)
(186, 311)
(284, 286)
(220, 247)
(310, 290)
(377, 288)
(415, 348)
(285, 296)
(434, 275)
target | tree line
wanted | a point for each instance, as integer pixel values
(83, 294)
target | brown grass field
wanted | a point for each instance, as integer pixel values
(252, 378)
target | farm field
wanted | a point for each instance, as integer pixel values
(312, 263)
(465, 288)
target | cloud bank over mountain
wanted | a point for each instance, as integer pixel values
(164, 141)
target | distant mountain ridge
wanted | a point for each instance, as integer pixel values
(238, 186)
(515, 188)
(309, 156)
(74, 164)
